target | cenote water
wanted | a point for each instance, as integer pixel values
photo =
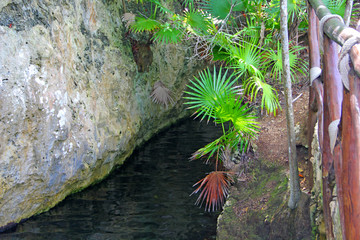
(146, 198)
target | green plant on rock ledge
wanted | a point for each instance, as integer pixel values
(240, 34)
(216, 96)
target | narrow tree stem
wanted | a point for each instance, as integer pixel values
(348, 9)
(293, 166)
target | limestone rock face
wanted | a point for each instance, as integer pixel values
(72, 101)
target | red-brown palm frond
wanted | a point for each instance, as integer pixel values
(214, 188)
(161, 94)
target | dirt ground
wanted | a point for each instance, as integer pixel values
(257, 205)
(272, 143)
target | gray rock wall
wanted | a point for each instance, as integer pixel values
(72, 101)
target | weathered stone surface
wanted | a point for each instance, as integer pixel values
(72, 102)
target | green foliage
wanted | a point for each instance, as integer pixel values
(144, 24)
(231, 109)
(215, 96)
(269, 100)
(220, 9)
(296, 8)
(251, 30)
(229, 139)
(273, 59)
(196, 22)
(161, 7)
(208, 91)
(246, 59)
(167, 34)
(336, 6)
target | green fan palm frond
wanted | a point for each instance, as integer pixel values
(221, 9)
(144, 24)
(207, 89)
(233, 110)
(269, 99)
(197, 22)
(167, 34)
(246, 59)
(273, 61)
(336, 6)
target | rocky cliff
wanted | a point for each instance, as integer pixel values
(75, 100)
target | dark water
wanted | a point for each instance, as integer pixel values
(147, 198)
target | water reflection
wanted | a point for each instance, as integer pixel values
(147, 198)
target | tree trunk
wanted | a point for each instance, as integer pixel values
(348, 9)
(293, 166)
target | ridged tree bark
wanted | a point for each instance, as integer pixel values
(293, 165)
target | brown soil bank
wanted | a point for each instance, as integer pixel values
(257, 207)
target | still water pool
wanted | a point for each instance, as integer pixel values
(146, 198)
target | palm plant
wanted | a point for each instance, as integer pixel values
(336, 6)
(215, 96)
(221, 9)
(246, 59)
(247, 62)
(207, 92)
(269, 99)
(273, 61)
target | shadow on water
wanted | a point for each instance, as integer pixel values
(147, 198)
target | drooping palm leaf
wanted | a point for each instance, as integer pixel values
(128, 18)
(144, 24)
(232, 139)
(214, 189)
(269, 99)
(161, 94)
(168, 34)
